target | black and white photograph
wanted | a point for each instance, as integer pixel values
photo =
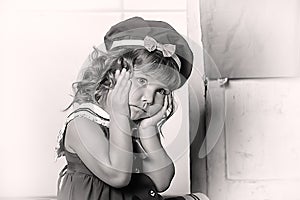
(150, 100)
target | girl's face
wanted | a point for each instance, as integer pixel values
(146, 96)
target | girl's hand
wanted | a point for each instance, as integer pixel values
(153, 121)
(117, 98)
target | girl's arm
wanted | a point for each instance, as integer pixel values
(158, 165)
(110, 160)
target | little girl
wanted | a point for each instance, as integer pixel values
(111, 140)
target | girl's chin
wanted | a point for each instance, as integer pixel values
(137, 116)
(135, 113)
(134, 118)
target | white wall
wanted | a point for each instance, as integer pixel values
(43, 45)
(255, 155)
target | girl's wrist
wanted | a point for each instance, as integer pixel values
(147, 132)
(121, 122)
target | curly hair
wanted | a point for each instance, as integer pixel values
(98, 77)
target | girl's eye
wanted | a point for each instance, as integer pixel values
(163, 92)
(142, 81)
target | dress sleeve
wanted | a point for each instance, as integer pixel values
(88, 111)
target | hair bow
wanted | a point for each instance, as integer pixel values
(151, 44)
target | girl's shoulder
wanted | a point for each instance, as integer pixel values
(86, 114)
(90, 111)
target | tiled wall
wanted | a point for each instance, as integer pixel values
(43, 44)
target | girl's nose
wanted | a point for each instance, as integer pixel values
(148, 97)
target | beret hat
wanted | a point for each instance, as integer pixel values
(138, 29)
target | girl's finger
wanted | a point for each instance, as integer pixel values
(127, 88)
(169, 99)
(117, 74)
(124, 84)
(128, 85)
(166, 103)
(170, 103)
(125, 79)
(164, 107)
(120, 78)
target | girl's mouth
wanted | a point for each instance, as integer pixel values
(139, 108)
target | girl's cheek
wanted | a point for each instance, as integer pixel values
(153, 111)
(134, 90)
(159, 100)
(156, 107)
